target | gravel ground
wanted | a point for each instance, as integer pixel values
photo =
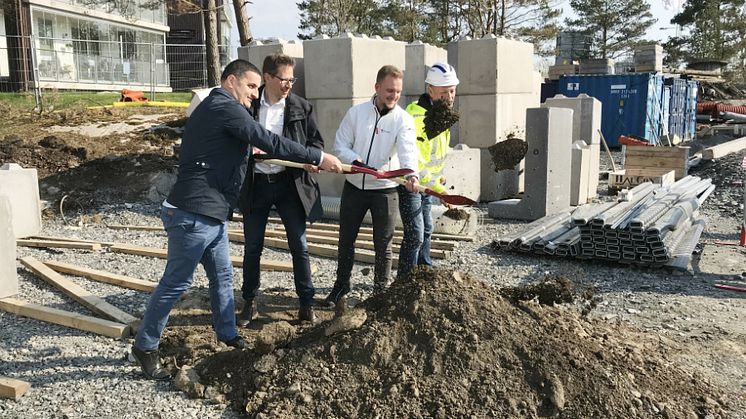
(76, 374)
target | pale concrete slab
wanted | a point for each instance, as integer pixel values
(547, 187)
(462, 171)
(498, 185)
(418, 59)
(21, 186)
(256, 51)
(586, 126)
(488, 119)
(580, 167)
(492, 65)
(8, 274)
(346, 66)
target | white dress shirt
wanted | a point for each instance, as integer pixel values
(272, 118)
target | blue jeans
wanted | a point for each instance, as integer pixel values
(416, 216)
(192, 239)
(284, 196)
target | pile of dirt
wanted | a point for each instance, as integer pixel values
(439, 118)
(443, 345)
(728, 177)
(507, 154)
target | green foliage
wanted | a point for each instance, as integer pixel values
(58, 100)
(433, 21)
(616, 27)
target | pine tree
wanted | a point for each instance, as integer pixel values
(615, 26)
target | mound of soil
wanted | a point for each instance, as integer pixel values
(728, 176)
(507, 154)
(444, 345)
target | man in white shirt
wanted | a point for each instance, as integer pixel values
(380, 134)
(294, 193)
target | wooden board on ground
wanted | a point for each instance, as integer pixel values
(629, 178)
(10, 388)
(721, 150)
(76, 292)
(328, 251)
(102, 276)
(58, 244)
(671, 158)
(68, 239)
(237, 261)
(65, 318)
(135, 227)
(327, 240)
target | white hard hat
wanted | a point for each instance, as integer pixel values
(441, 74)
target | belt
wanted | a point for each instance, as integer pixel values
(272, 177)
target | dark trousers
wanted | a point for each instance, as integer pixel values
(284, 196)
(383, 205)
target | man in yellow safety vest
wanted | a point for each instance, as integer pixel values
(415, 208)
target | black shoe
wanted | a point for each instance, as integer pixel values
(306, 314)
(247, 314)
(339, 291)
(238, 342)
(150, 363)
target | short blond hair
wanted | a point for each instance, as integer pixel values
(389, 70)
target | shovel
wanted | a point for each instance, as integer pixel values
(348, 168)
(448, 199)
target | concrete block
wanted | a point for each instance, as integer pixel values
(579, 179)
(462, 171)
(329, 114)
(494, 65)
(21, 186)
(498, 185)
(346, 67)
(597, 66)
(418, 59)
(8, 274)
(488, 119)
(257, 51)
(547, 186)
(586, 125)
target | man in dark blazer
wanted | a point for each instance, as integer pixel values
(294, 193)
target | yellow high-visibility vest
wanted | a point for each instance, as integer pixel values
(432, 151)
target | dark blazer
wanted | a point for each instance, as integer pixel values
(299, 125)
(214, 155)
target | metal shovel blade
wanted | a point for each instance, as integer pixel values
(382, 175)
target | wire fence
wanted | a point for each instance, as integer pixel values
(35, 64)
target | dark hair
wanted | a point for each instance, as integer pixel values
(274, 61)
(388, 70)
(238, 68)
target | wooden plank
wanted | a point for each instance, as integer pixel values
(58, 244)
(672, 158)
(237, 261)
(76, 292)
(718, 151)
(328, 251)
(68, 239)
(65, 318)
(644, 151)
(135, 227)
(10, 388)
(239, 237)
(102, 276)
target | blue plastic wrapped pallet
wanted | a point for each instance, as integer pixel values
(692, 90)
(631, 103)
(677, 115)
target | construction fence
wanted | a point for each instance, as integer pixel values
(35, 64)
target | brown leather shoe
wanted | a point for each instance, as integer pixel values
(306, 314)
(247, 314)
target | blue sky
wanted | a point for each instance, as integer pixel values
(280, 19)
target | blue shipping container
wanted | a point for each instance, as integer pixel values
(691, 110)
(631, 102)
(665, 110)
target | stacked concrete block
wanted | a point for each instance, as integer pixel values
(579, 178)
(596, 66)
(498, 185)
(21, 186)
(648, 58)
(257, 51)
(586, 126)
(339, 73)
(558, 70)
(418, 58)
(8, 275)
(547, 186)
(492, 65)
(462, 171)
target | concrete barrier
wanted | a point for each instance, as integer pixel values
(8, 274)
(256, 51)
(418, 59)
(21, 186)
